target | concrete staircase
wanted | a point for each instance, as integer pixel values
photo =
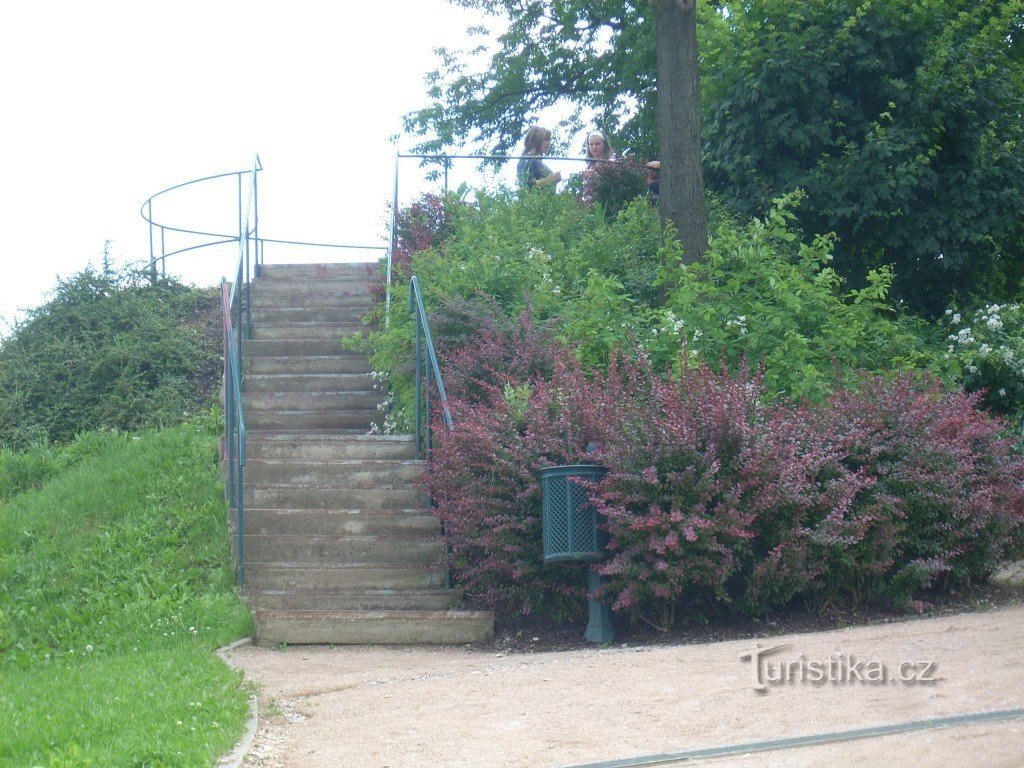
(340, 543)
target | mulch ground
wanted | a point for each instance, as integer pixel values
(533, 633)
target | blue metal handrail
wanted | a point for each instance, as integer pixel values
(424, 348)
(234, 427)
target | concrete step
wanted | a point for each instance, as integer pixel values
(337, 522)
(291, 313)
(341, 550)
(353, 363)
(309, 331)
(331, 497)
(288, 296)
(302, 446)
(349, 421)
(309, 382)
(358, 473)
(344, 270)
(355, 600)
(311, 401)
(360, 627)
(285, 577)
(253, 348)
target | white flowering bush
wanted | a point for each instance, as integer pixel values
(988, 344)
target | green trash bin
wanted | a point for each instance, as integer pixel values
(571, 534)
(569, 519)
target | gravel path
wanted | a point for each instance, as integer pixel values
(377, 707)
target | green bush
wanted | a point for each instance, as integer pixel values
(109, 349)
(764, 296)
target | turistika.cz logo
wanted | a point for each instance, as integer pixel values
(838, 669)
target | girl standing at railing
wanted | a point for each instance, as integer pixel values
(531, 170)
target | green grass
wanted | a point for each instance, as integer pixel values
(116, 585)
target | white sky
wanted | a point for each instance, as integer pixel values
(105, 103)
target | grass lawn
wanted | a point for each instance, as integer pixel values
(116, 585)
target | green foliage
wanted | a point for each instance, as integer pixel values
(764, 297)
(593, 55)
(901, 120)
(561, 260)
(116, 583)
(989, 345)
(109, 349)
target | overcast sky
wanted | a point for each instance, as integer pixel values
(105, 103)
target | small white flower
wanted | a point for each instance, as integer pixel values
(994, 323)
(949, 312)
(955, 319)
(984, 350)
(1002, 392)
(972, 368)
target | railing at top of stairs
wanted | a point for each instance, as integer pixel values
(251, 249)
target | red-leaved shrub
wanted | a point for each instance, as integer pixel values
(714, 500)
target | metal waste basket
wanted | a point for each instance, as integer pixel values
(571, 534)
(569, 519)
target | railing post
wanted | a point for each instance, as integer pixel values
(256, 214)
(391, 246)
(418, 375)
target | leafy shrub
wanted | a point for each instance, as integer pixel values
(989, 345)
(715, 498)
(764, 296)
(425, 223)
(109, 349)
(614, 185)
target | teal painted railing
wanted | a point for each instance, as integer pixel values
(426, 366)
(234, 426)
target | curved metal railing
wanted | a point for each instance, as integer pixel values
(158, 230)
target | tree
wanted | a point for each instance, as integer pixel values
(901, 120)
(681, 198)
(597, 55)
(614, 57)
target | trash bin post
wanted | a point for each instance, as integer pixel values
(599, 626)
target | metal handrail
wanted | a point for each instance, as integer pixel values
(234, 427)
(162, 228)
(239, 300)
(424, 346)
(158, 253)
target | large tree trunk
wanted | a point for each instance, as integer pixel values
(681, 197)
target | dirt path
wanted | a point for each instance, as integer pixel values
(371, 707)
